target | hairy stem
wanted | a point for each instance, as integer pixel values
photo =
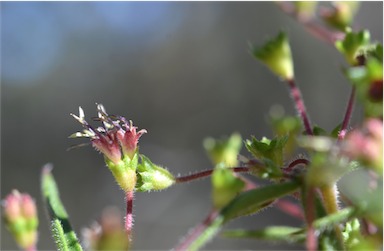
(187, 241)
(129, 197)
(207, 173)
(299, 104)
(329, 194)
(348, 115)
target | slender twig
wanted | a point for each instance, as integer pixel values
(347, 116)
(196, 232)
(299, 104)
(129, 197)
(207, 173)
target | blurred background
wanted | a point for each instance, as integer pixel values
(181, 70)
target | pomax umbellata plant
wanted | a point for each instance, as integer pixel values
(300, 160)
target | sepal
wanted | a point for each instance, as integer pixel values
(152, 177)
(276, 55)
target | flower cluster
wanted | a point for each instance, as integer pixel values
(116, 139)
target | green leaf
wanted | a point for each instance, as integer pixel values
(225, 186)
(246, 203)
(276, 55)
(252, 201)
(152, 177)
(61, 229)
(275, 233)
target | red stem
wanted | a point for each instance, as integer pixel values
(311, 241)
(196, 232)
(347, 116)
(129, 197)
(206, 173)
(299, 104)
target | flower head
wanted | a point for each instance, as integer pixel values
(116, 139)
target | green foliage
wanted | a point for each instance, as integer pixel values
(276, 55)
(62, 232)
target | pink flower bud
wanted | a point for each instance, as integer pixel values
(12, 206)
(21, 219)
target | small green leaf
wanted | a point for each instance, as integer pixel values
(224, 150)
(152, 177)
(276, 55)
(225, 186)
(269, 149)
(275, 233)
(61, 229)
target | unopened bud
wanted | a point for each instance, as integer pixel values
(21, 218)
